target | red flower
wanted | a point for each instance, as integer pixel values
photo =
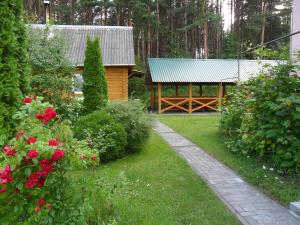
(46, 165)
(48, 115)
(19, 134)
(6, 148)
(32, 181)
(3, 190)
(5, 175)
(5, 172)
(33, 153)
(27, 100)
(58, 154)
(42, 182)
(39, 116)
(11, 152)
(37, 209)
(31, 140)
(7, 180)
(29, 184)
(53, 142)
(94, 157)
(41, 202)
(48, 206)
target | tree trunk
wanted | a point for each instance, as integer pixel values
(149, 31)
(264, 12)
(185, 28)
(205, 29)
(158, 27)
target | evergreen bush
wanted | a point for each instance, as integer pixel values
(13, 65)
(95, 85)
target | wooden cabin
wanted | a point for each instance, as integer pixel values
(117, 53)
(196, 85)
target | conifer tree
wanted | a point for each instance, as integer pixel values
(10, 93)
(22, 46)
(95, 85)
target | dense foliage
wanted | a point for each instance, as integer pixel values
(13, 64)
(262, 117)
(131, 114)
(34, 187)
(137, 89)
(51, 71)
(102, 132)
(95, 85)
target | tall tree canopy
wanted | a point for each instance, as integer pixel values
(179, 28)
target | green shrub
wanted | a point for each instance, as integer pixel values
(262, 118)
(137, 89)
(102, 132)
(71, 110)
(132, 115)
(51, 70)
(95, 85)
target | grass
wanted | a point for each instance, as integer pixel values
(153, 187)
(204, 131)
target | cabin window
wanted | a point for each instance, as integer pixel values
(78, 83)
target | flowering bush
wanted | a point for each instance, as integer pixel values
(33, 182)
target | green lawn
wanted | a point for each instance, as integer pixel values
(154, 187)
(204, 131)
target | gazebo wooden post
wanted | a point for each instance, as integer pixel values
(159, 96)
(190, 97)
(176, 90)
(200, 90)
(220, 93)
(152, 96)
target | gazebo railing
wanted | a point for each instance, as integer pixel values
(189, 103)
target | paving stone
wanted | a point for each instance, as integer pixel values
(249, 205)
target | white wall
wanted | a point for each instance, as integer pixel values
(295, 40)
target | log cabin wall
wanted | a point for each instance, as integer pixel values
(117, 82)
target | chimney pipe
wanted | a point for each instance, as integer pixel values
(47, 11)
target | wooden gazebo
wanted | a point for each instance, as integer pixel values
(193, 85)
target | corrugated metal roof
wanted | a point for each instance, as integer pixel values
(116, 42)
(204, 70)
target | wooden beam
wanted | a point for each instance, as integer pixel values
(200, 90)
(190, 97)
(152, 96)
(220, 93)
(159, 96)
(176, 90)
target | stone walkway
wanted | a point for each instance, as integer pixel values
(246, 202)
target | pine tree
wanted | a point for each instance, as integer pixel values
(10, 93)
(95, 84)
